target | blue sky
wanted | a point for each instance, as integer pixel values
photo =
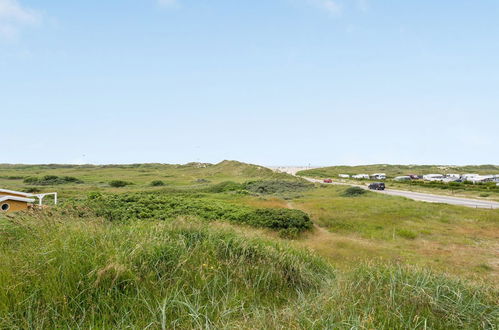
(274, 82)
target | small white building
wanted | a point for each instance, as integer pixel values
(361, 176)
(345, 176)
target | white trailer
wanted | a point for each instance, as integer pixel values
(434, 177)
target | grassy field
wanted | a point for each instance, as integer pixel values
(138, 176)
(217, 246)
(481, 191)
(456, 240)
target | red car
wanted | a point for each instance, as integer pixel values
(328, 181)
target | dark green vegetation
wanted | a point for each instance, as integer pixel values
(157, 183)
(169, 207)
(49, 180)
(277, 186)
(61, 271)
(211, 248)
(119, 183)
(354, 191)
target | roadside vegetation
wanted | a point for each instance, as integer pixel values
(465, 189)
(397, 170)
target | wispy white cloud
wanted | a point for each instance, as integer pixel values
(14, 16)
(168, 3)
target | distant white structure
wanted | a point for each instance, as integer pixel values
(481, 178)
(402, 178)
(378, 176)
(469, 176)
(434, 177)
(361, 176)
(454, 176)
(345, 176)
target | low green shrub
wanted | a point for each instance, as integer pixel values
(225, 187)
(354, 192)
(157, 183)
(142, 206)
(405, 233)
(49, 180)
(277, 186)
(119, 183)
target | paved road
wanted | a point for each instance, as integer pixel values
(432, 198)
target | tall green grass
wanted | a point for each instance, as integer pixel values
(65, 271)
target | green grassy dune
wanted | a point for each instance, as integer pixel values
(234, 245)
(60, 271)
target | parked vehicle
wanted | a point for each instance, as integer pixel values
(378, 176)
(434, 177)
(361, 176)
(377, 186)
(414, 176)
(328, 181)
(344, 176)
(402, 178)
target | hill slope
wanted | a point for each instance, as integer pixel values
(63, 271)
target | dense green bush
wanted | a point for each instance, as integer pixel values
(277, 186)
(163, 207)
(118, 183)
(225, 186)
(157, 183)
(354, 192)
(49, 180)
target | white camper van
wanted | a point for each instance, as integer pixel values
(434, 177)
